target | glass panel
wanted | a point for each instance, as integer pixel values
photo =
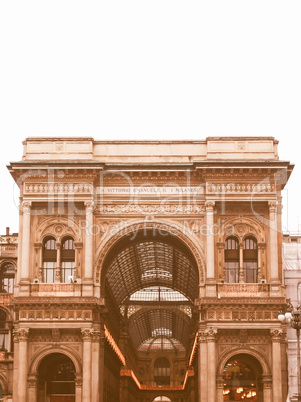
(232, 270)
(158, 293)
(231, 244)
(49, 271)
(67, 271)
(250, 271)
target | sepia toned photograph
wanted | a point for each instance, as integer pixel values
(150, 213)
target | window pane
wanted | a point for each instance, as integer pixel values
(67, 271)
(232, 269)
(49, 271)
(250, 272)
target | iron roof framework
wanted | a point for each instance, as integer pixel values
(154, 280)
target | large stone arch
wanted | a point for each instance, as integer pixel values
(48, 350)
(266, 370)
(190, 240)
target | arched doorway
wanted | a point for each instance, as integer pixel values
(162, 398)
(243, 379)
(151, 281)
(56, 377)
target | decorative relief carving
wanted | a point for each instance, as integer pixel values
(164, 209)
(207, 335)
(21, 335)
(89, 206)
(55, 314)
(209, 205)
(277, 335)
(272, 206)
(226, 188)
(87, 334)
(25, 207)
(78, 382)
(58, 188)
(267, 381)
(239, 314)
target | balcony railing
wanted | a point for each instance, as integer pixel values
(243, 289)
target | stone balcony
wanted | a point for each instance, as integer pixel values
(244, 289)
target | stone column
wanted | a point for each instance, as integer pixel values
(38, 247)
(202, 369)
(89, 240)
(101, 368)
(211, 348)
(210, 265)
(88, 271)
(241, 276)
(261, 248)
(267, 388)
(25, 243)
(87, 365)
(96, 336)
(32, 388)
(21, 336)
(57, 278)
(210, 239)
(16, 361)
(273, 242)
(219, 388)
(78, 389)
(277, 335)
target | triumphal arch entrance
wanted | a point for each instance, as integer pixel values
(149, 271)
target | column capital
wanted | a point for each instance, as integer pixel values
(78, 382)
(267, 381)
(209, 205)
(97, 335)
(272, 206)
(277, 335)
(220, 381)
(87, 334)
(21, 335)
(89, 206)
(25, 206)
(32, 381)
(205, 335)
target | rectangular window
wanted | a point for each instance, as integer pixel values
(232, 269)
(49, 271)
(67, 271)
(250, 271)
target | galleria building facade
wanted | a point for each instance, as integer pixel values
(145, 271)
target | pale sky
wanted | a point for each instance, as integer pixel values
(150, 70)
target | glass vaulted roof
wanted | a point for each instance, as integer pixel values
(152, 263)
(154, 281)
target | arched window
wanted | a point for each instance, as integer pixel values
(232, 259)
(49, 259)
(162, 371)
(68, 260)
(56, 375)
(250, 258)
(4, 331)
(7, 278)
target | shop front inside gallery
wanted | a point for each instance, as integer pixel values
(145, 271)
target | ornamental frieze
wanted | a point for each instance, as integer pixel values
(225, 188)
(58, 188)
(164, 209)
(55, 315)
